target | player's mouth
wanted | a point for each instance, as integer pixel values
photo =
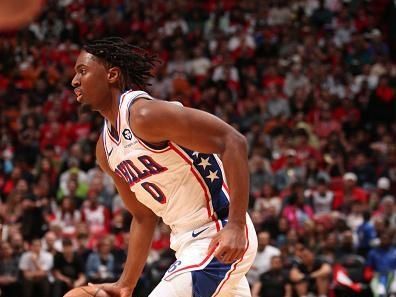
(78, 93)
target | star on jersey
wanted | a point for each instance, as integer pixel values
(195, 154)
(204, 163)
(212, 175)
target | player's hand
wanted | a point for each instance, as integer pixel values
(115, 289)
(229, 244)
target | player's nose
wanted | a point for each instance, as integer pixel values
(76, 81)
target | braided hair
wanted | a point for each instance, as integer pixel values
(135, 63)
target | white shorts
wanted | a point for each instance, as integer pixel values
(197, 274)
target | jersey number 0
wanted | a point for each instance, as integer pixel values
(155, 192)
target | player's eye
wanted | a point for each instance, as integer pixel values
(83, 71)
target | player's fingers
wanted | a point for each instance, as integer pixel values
(225, 258)
(221, 252)
(231, 254)
(213, 244)
(238, 253)
(108, 288)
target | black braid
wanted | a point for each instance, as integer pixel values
(135, 63)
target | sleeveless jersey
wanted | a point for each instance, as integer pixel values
(187, 189)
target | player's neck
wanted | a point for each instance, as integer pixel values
(110, 110)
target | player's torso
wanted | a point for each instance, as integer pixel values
(185, 188)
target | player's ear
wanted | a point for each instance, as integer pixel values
(113, 75)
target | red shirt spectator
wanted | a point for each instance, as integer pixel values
(350, 193)
(97, 217)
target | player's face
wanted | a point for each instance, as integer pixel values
(90, 81)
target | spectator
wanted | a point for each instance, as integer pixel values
(314, 174)
(9, 283)
(267, 200)
(322, 199)
(309, 273)
(96, 172)
(296, 211)
(36, 268)
(274, 283)
(277, 105)
(384, 186)
(355, 217)
(291, 173)
(82, 249)
(96, 216)
(200, 64)
(366, 234)
(346, 246)
(17, 244)
(281, 231)
(387, 211)
(76, 191)
(66, 217)
(381, 264)
(11, 212)
(100, 264)
(382, 190)
(96, 185)
(294, 80)
(260, 172)
(326, 124)
(51, 243)
(73, 182)
(321, 15)
(262, 263)
(350, 193)
(34, 213)
(364, 172)
(68, 270)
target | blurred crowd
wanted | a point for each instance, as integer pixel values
(310, 83)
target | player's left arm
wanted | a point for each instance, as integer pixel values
(156, 121)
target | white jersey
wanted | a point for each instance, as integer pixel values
(186, 189)
(189, 191)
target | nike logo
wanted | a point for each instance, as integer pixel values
(111, 151)
(197, 233)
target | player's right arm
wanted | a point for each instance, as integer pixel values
(142, 229)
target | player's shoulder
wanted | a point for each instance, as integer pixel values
(144, 112)
(143, 108)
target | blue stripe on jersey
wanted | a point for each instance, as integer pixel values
(224, 222)
(206, 281)
(210, 171)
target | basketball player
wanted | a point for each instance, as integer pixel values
(181, 164)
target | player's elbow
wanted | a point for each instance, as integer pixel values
(237, 142)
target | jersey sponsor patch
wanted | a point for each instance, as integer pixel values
(127, 134)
